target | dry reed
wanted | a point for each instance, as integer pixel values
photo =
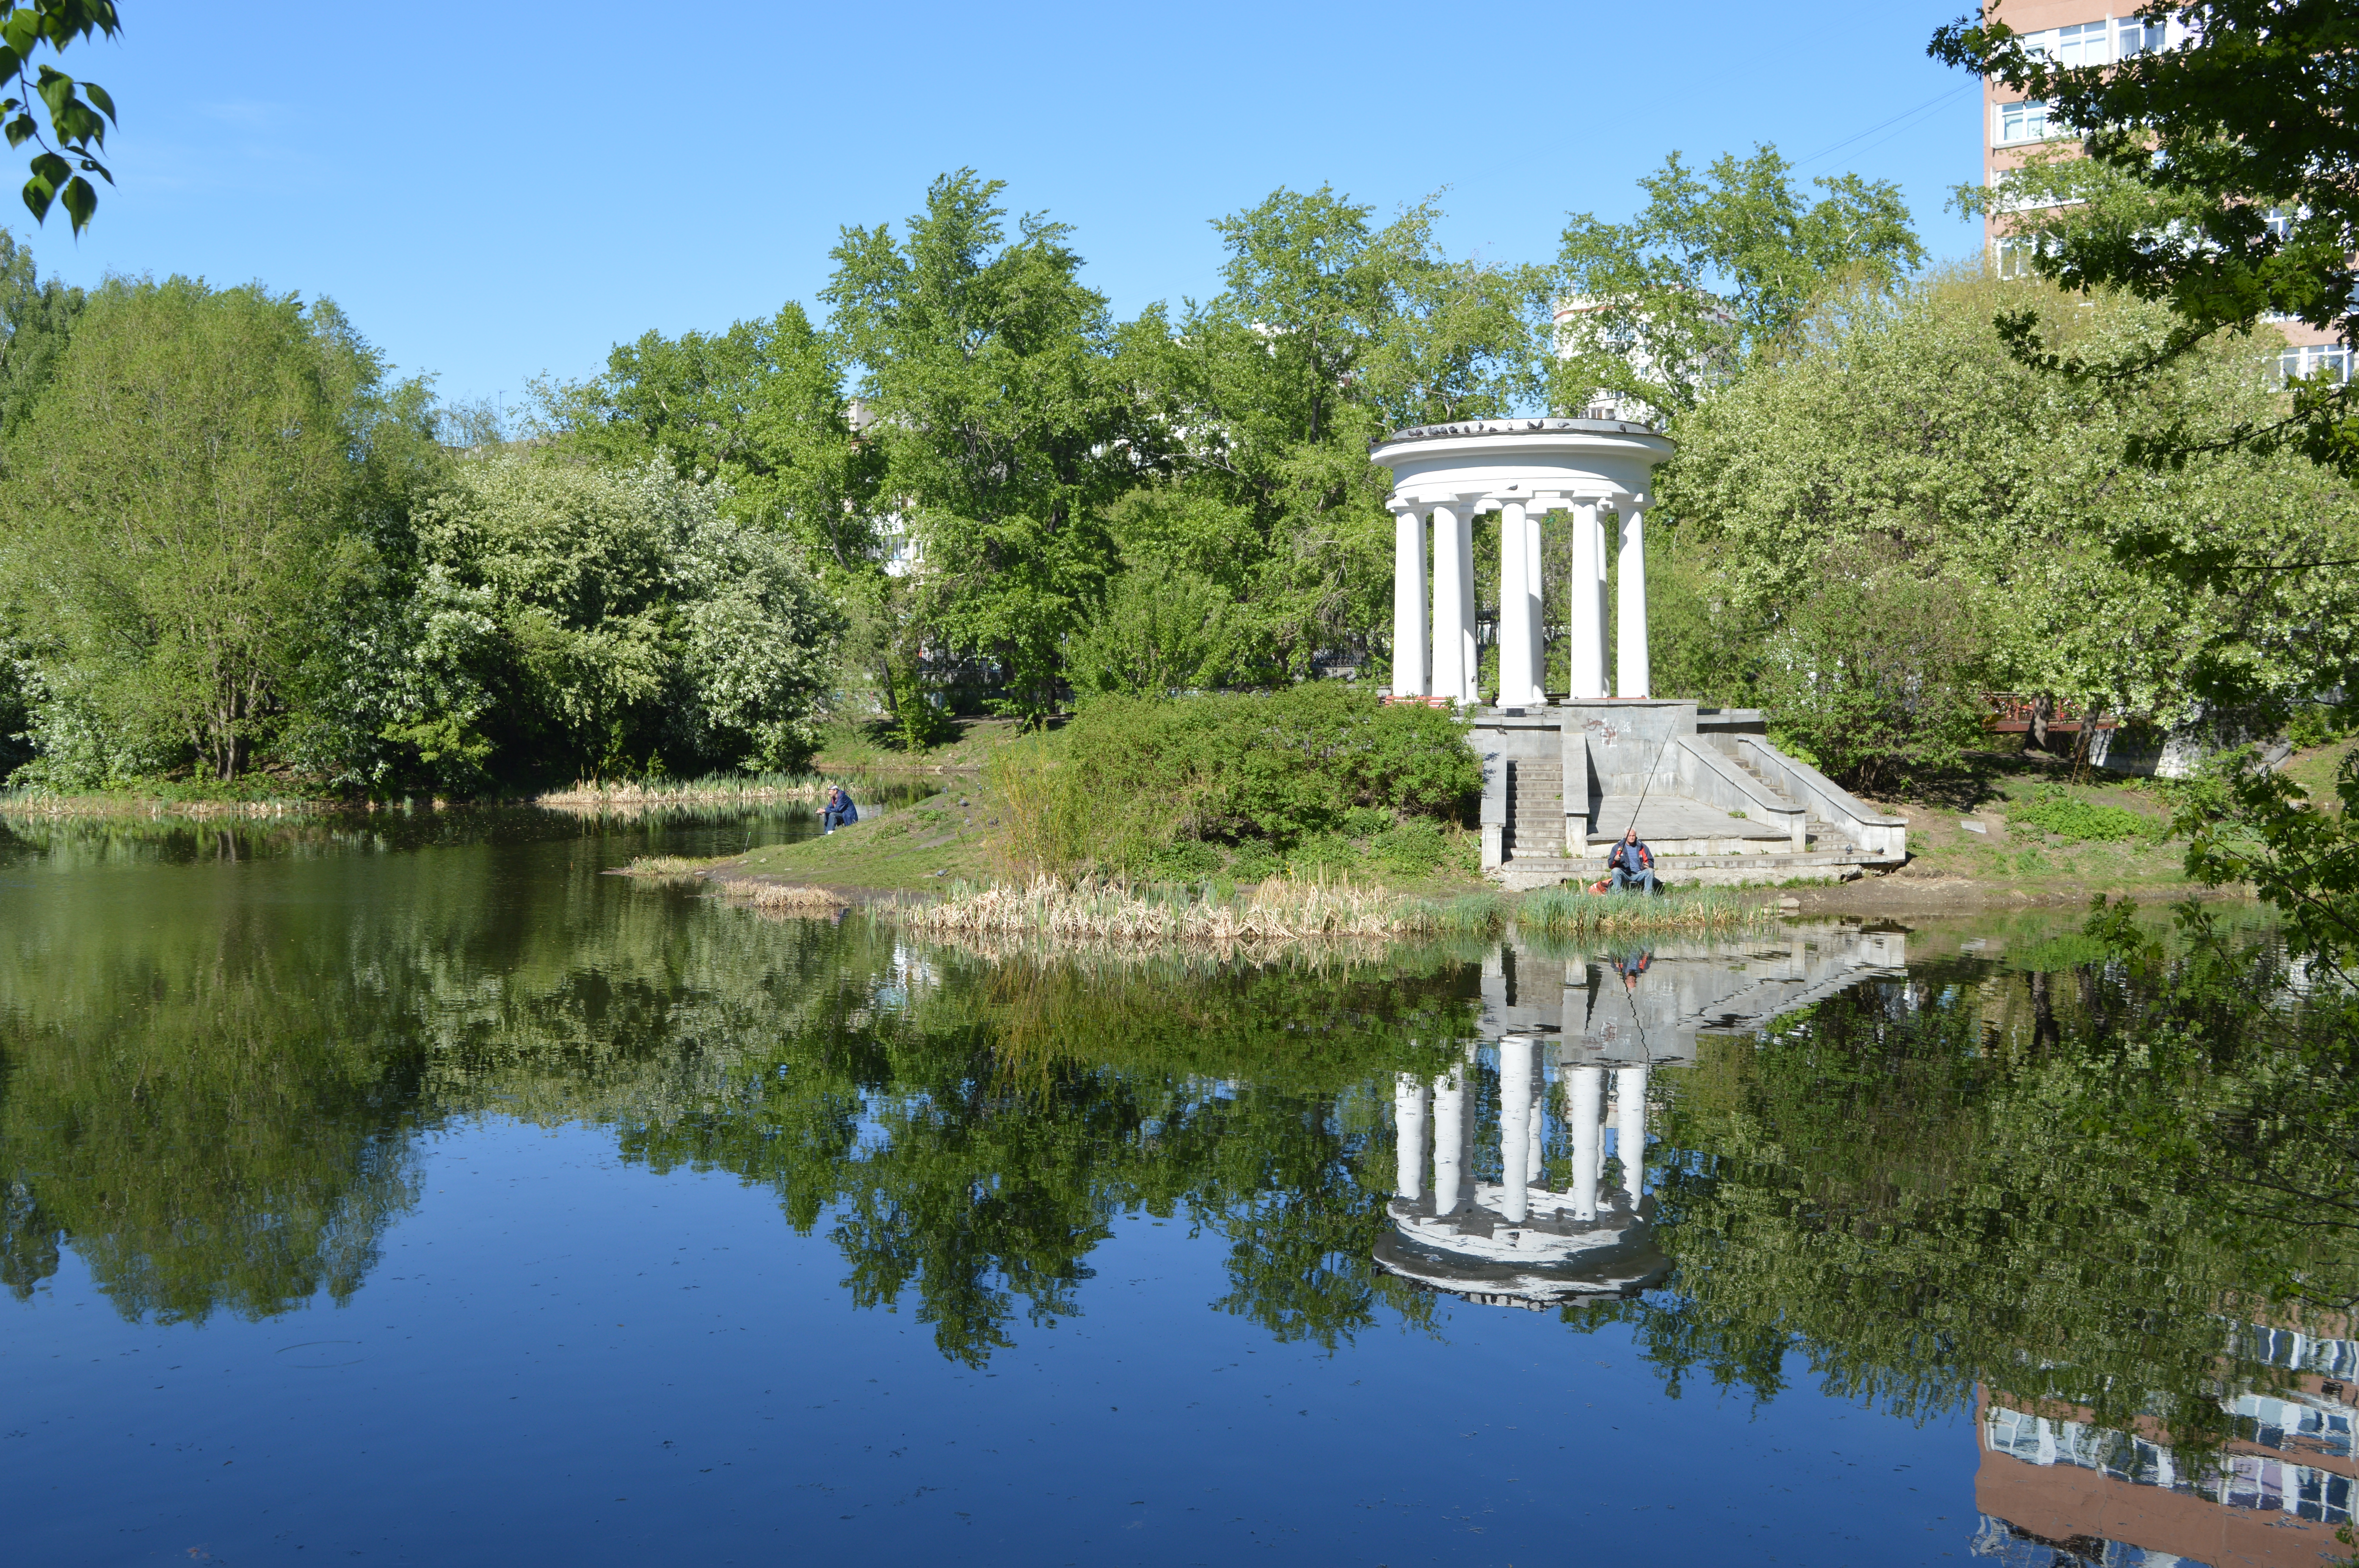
(667, 868)
(779, 899)
(602, 796)
(1278, 910)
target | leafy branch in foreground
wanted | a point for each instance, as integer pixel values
(2298, 855)
(79, 112)
(2217, 175)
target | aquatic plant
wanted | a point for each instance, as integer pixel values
(1575, 912)
(610, 796)
(666, 868)
(1280, 909)
(778, 898)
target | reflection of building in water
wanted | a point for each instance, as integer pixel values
(2056, 1492)
(1603, 1026)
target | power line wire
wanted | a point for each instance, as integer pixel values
(1930, 104)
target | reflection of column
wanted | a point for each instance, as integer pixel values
(1630, 1135)
(1408, 1135)
(1535, 1152)
(1448, 1139)
(1516, 1126)
(1630, 672)
(1584, 1087)
(1454, 628)
(1409, 603)
(1588, 629)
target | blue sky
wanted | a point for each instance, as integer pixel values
(492, 191)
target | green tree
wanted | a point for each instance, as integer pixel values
(36, 317)
(605, 622)
(1716, 269)
(178, 489)
(760, 405)
(1329, 331)
(1896, 433)
(988, 370)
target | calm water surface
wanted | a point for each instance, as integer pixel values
(418, 1193)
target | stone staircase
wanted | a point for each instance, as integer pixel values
(1829, 844)
(1534, 810)
(1695, 843)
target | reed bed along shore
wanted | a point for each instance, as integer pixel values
(666, 869)
(1578, 912)
(604, 796)
(778, 898)
(44, 805)
(1276, 910)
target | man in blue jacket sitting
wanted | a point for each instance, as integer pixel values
(1633, 864)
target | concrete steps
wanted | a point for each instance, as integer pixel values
(1672, 825)
(1534, 810)
(1525, 872)
(1775, 794)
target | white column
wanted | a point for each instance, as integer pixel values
(1630, 676)
(1453, 629)
(1468, 680)
(1408, 1135)
(1585, 1090)
(1516, 687)
(1448, 1139)
(1515, 1127)
(1588, 620)
(1630, 1134)
(1409, 603)
(1535, 618)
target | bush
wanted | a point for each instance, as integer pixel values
(2076, 820)
(2318, 724)
(1876, 675)
(1315, 758)
(1411, 848)
(1130, 779)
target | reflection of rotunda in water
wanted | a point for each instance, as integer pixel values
(1585, 1035)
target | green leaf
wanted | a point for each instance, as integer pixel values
(81, 199)
(98, 96)
(56, 90)
(20, 130)
(38, 193)
(22, 30)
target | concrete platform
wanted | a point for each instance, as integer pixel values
(1716, 802)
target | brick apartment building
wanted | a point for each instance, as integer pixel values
(2092, 32)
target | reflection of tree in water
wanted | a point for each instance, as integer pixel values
(976, 1145)
(211, 1097)
(2002, 1178)
(215, 1132)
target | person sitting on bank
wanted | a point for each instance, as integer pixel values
(1633, 864)
(840, 812)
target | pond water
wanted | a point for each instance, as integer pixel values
(411, 1192)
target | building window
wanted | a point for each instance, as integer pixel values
(2083, 45)
(2136, 38)
(2326, 362)
(2014, 257)
(2026, 122)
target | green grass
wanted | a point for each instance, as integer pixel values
(2076, 819)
